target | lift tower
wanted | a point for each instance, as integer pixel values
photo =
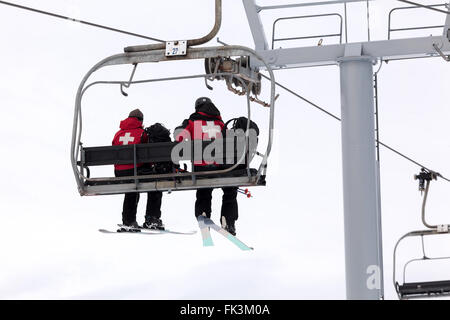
(362, 214)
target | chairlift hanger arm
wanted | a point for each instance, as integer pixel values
(425, 177)
(190, 43)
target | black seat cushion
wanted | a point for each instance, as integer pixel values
(424, 288)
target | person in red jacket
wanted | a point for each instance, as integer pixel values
(206, 124)
(132, 132)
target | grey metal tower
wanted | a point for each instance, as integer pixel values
(362, 216)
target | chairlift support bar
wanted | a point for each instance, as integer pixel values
(159, 56)
(386, 50)
(326, 55)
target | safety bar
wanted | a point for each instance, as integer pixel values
(412, 28)
(178, 174)
(193, 174)
(307, 37)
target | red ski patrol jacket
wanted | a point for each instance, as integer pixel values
(131, 132)
(205, 124)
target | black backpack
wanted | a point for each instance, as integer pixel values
(241, 123)
(158, 133)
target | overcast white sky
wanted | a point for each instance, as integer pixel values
(50, 246)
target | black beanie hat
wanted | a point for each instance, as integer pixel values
(137, 114)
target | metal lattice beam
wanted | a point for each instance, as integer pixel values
(326, 55)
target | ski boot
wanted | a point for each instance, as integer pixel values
(229, 227)
(132, 227)
(153, 224)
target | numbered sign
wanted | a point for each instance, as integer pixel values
(176, 48)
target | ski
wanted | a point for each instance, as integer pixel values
(153, 231)
(207, 222)
(126, 232)
(206, 235)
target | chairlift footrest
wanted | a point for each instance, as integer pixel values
(424, 289)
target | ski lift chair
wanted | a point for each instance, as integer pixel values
(220, 65)
(426, 289)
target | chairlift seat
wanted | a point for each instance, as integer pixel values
(424, 289)
(152, 153)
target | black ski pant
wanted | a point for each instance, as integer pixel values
(131, 201)
(229, 200)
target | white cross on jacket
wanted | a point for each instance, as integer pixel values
(126, 139)
(211, 129)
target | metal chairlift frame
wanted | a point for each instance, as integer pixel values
(322, 36)
(429, 289)
(390, 29)
(174, 181)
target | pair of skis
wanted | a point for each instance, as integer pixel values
(206, 224)
(128, 230)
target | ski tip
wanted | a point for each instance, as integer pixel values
(208, 244)
(238, 242)
(106, 231)
(245, 248)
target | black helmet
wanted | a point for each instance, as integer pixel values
(201, 101)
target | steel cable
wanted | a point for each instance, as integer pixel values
(55, 15)
(339, 119)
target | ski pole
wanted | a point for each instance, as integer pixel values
(246, 192)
